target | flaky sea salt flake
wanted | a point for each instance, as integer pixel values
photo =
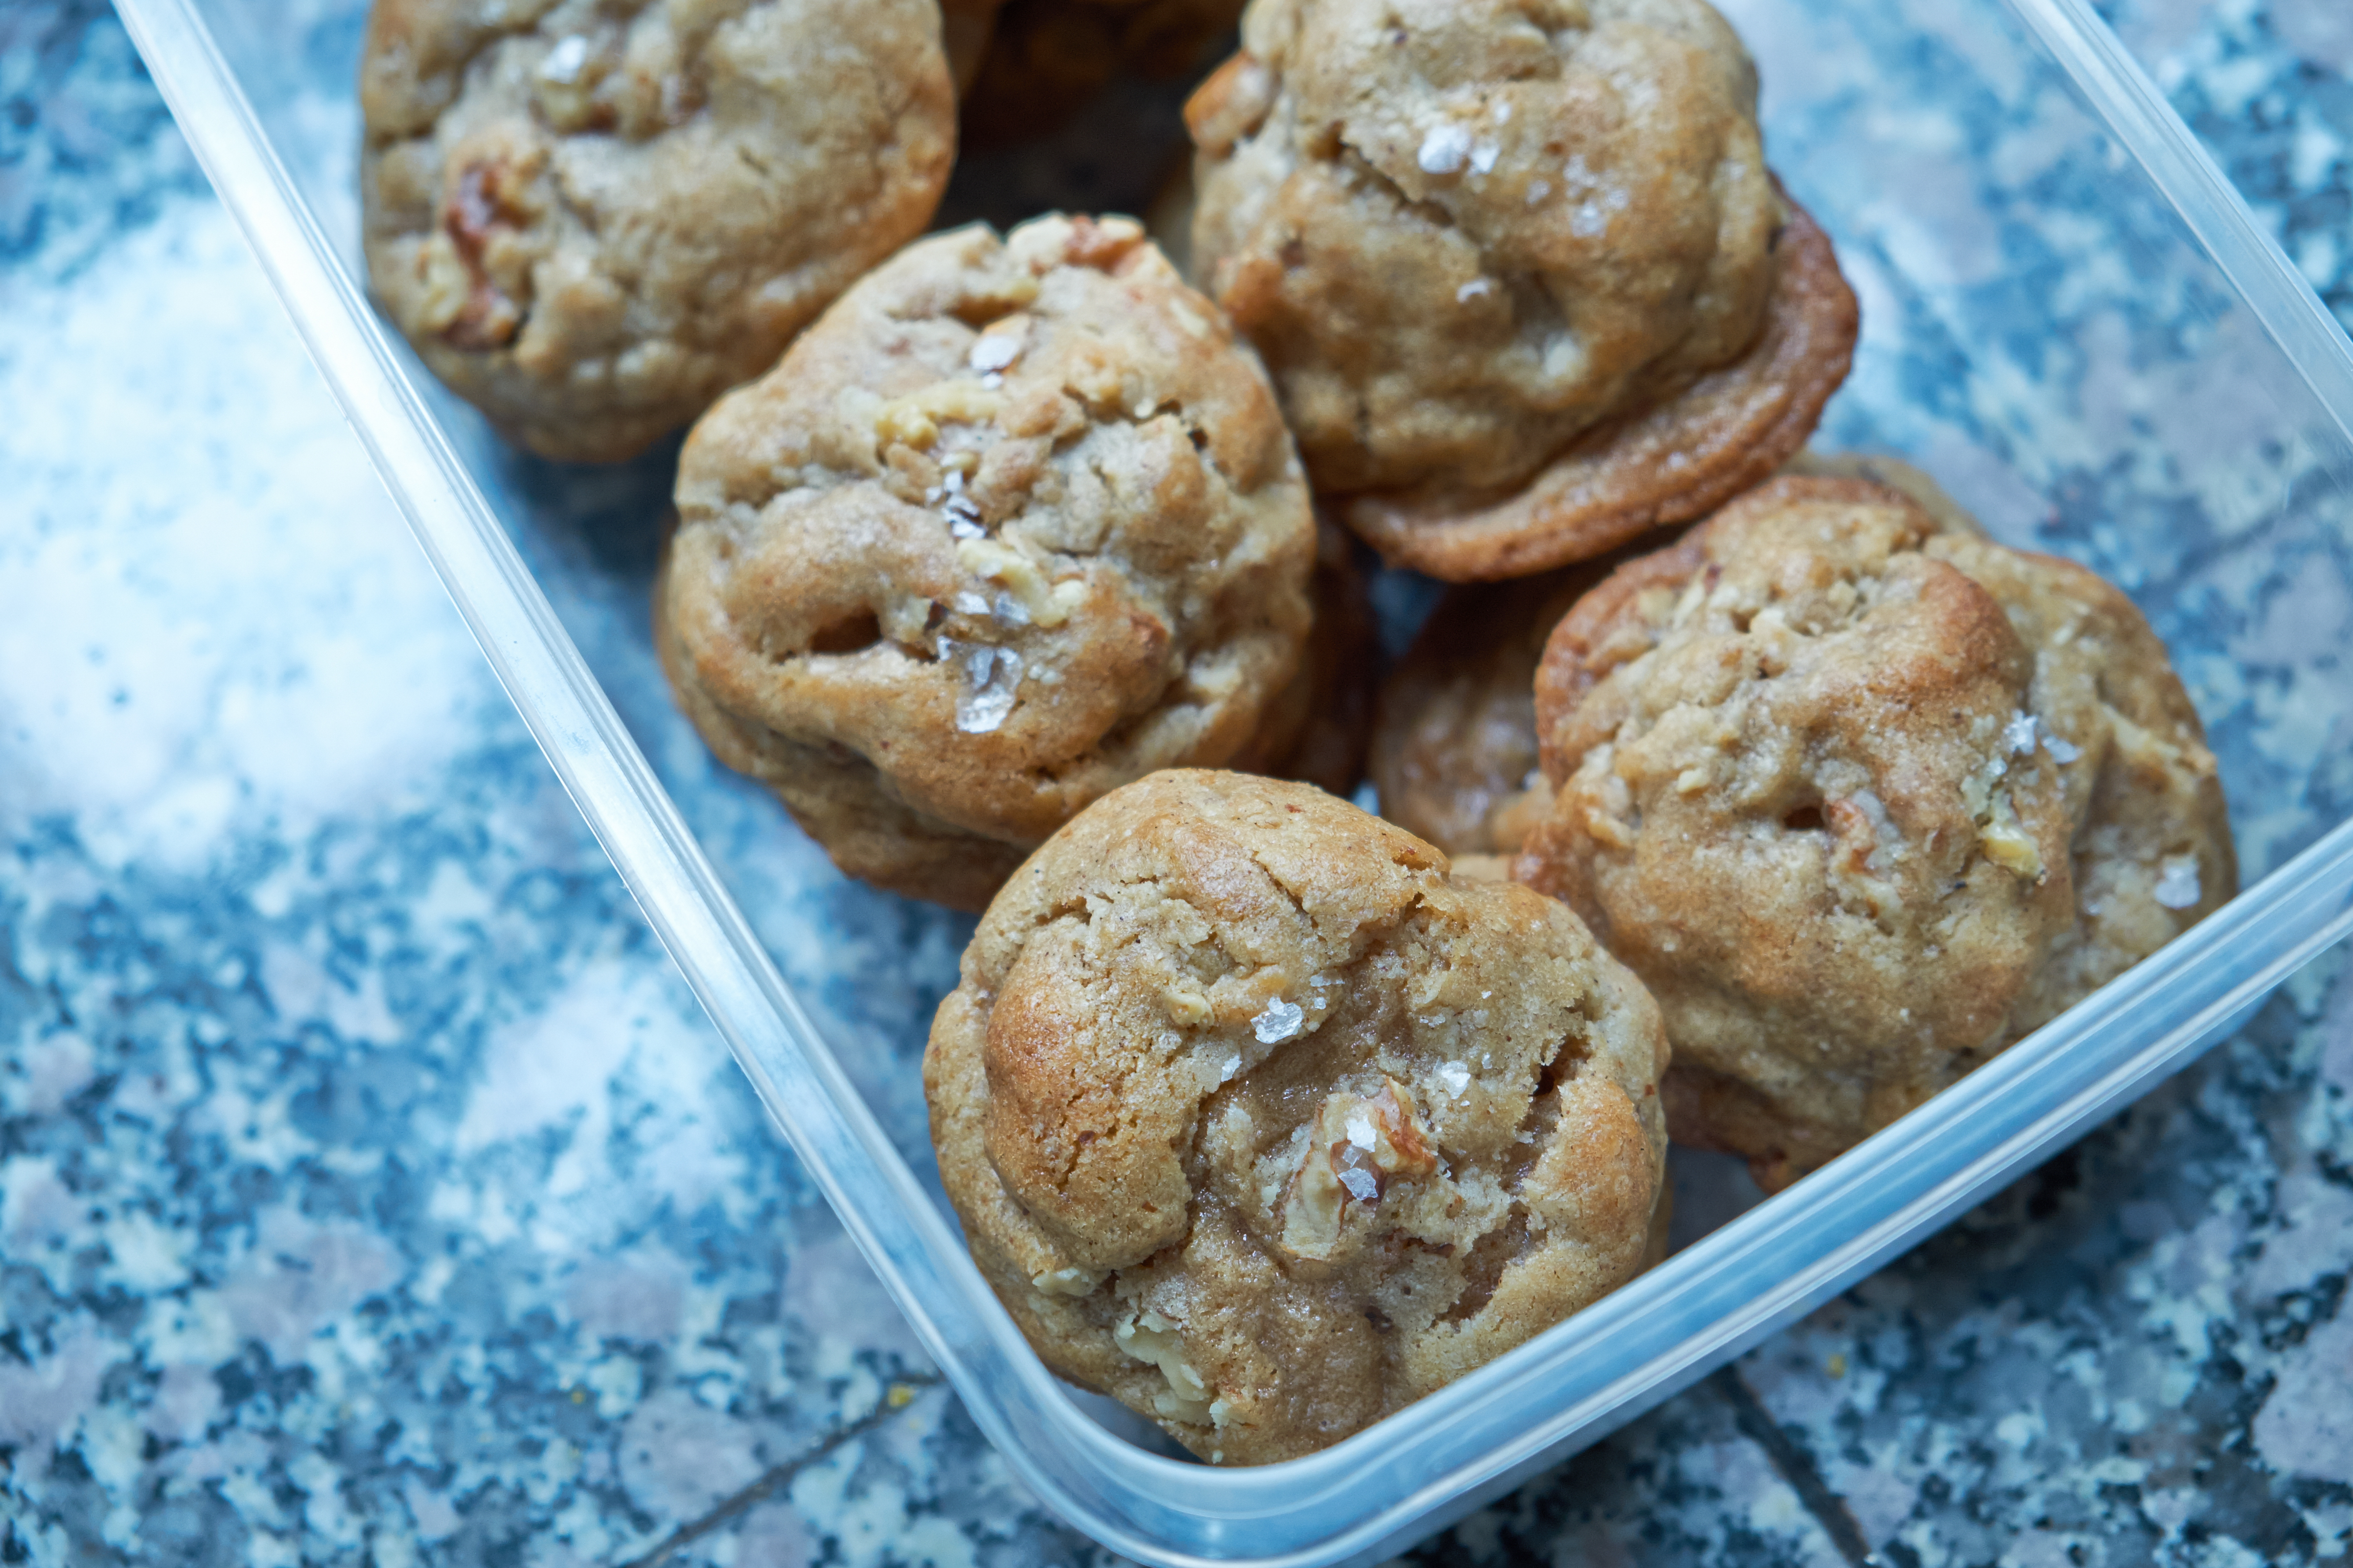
(992, 679)
(963, 518)
(1456, 1078)
(998, 348)
(1281, 1021)
(563, 62)
(1444, 148)
(2017, 735)
(1473, 290)
(2062, 751)
(2177, 887)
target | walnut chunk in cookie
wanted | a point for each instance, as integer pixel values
(1518, 267)
(590, 218)
(1864, 800)
(1015, 523)
(1262, 1123)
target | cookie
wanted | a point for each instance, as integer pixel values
(1016, 523)
(1518, 269)
(590, 220)
(1863, 801)
(1264, 1125)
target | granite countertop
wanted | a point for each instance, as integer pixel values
(372, 1190)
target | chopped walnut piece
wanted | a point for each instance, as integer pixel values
(1359, 1141)
(483, 202)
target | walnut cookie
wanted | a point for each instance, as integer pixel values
(1863, 801)
(1016, 523)
(1518, 269)
(593, 216)
(1264, 1124)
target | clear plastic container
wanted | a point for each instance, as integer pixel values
(2069, 318)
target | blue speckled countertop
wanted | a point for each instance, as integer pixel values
(373, 1191)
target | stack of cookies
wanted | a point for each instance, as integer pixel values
(1032, 575)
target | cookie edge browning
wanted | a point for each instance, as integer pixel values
(1615, 483)
(1073, 1333)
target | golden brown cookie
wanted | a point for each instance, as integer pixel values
(1014, 523)
(1523, 279)
(592, 219)
(1863, 801)
(1264, 1125)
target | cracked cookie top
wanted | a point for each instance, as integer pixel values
(1264, 1124)
(592, 216)
(1016, 523)
(1463, 233)
(1863, 800)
